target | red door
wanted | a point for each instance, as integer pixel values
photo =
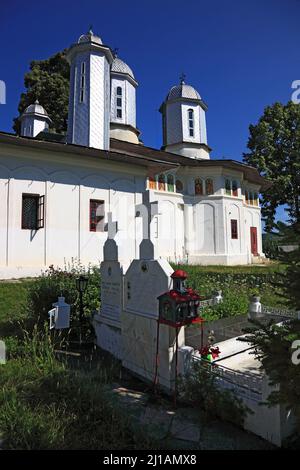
(253, 236)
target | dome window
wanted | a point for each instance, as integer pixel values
(179, 186)
(198, 187)
(209, 186)
(191, 122)
(119, 102)
(234, 188)
(170, 183)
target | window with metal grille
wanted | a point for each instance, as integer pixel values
(96, 215)
(119, 102)
(191, 122)
(234, 229)
(33, 211)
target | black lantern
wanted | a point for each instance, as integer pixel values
(81, 285)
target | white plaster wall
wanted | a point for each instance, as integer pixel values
(63, 218)
(233, 212)
(167, 229)
(204, 221)
(66, 233)
(173, 123)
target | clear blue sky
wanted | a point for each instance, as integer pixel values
(240, 55)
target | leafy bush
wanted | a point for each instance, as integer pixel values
(233, 304)
(55, 282)
(200, 389)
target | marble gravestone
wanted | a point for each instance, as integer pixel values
(145, 279)
(126, 325)
(107, 323)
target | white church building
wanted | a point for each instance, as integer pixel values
(57, 192)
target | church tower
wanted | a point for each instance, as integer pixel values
(123, 103)
(34, 120)
(89, 103)
(184, 122)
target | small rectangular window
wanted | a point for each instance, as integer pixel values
(234, 229)
(119, 102)
(96, 215)
(33, 211)
(119, 113)
(228, 187)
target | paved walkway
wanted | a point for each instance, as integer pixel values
(184, 427)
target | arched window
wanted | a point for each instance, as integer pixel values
(198, 186)
(209, 186)
(161, 183)
(250, 198)
(152, 182)
(179, 186)
(191, 122)
(228, 187)
(82, 83)
(119, 102)
(234, 188)
(170, 183)
(255, 199)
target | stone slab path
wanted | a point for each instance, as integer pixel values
(183, 427)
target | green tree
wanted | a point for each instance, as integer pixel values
(48, 81)
(274, 145)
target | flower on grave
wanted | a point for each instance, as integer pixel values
(209, 352)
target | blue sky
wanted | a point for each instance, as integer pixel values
(240, 55)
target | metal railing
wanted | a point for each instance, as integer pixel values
(280, 312)
(244, 384)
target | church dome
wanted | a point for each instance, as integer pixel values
(89, 37)
(183, 91)
(119, 66)
(36, 108)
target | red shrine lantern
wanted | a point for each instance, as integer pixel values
(180, 305)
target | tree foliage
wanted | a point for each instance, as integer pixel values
(289, 282)
(48, 81)
(273, 344)
(274, 149)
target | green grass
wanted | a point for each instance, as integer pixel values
(45, 404)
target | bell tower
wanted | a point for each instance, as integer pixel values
(184, 122)
(89, 103)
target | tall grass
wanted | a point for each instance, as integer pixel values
(44, 404)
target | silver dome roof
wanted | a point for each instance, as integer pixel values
(119, 66)
(35, 108)
(89, 37)
(183, 91)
